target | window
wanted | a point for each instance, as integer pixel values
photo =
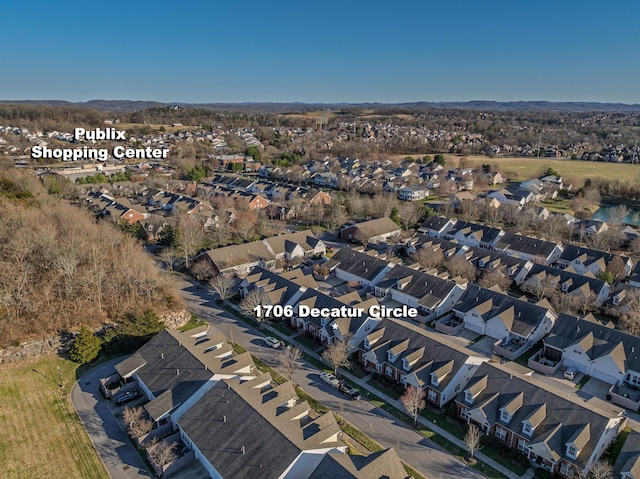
(468, 397)
(432, 395)
(522, 445)
(527, 429)
(501, 433)
(504, 416)
(572, 452)
(388, 371)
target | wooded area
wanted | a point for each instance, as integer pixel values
(61, 268)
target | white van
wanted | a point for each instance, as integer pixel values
(570, 373)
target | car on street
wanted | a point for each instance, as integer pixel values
(330, 379)
(349, 391)
(129, 396)
(272, 342)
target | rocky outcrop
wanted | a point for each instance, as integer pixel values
(175, 319)
(35, 349)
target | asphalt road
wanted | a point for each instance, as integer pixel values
(114, 447)
(414, 449)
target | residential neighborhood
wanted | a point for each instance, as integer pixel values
(448, 297)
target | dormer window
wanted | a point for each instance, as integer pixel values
(405, 364)
(390, 356)
(481, 263)
(527, 429)
(565, 287)
(468, 397)
(572, 452)
(435, 380)
(505, 416)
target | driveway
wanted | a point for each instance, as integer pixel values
(117, 452)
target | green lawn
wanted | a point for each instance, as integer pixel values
(42, 436)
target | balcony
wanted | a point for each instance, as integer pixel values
(626, 395)
(450, 324)
(538, 362)
(510, 348)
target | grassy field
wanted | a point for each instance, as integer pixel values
(41, 434)
(524, 168)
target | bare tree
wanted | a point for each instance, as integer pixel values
(618, 213)
(458, 266)
(168, 255)
(601, 469)
(472, 439)
(191, 238)
(222, 285)
(337, 354)
(495, 277)
(288, 360)
(250, 303)
(542, 286)
(131, 415)
(136, 423)
(585, 300)
(469, 210)
(162, 452)
(202, 270)
(429, 257)
(413, 401)
(140, 427)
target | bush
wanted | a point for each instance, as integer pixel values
(86, 347)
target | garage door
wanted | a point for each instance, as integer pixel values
(603, 376)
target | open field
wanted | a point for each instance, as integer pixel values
(41, 434)
(524, 168)
(521, 168)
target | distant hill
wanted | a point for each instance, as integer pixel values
(133, 105)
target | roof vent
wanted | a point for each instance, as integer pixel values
(243, 450)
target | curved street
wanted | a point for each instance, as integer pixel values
(117, 452)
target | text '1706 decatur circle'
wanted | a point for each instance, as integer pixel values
(278, 311)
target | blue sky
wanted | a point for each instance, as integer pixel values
(325, 51)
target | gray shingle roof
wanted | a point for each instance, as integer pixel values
(429, 290)
(379, 465)
(358, 264)
(556, 419)
(235, 438)
(524, 316)
(598, 339)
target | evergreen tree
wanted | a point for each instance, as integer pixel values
(395, 216)
(86, 346)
